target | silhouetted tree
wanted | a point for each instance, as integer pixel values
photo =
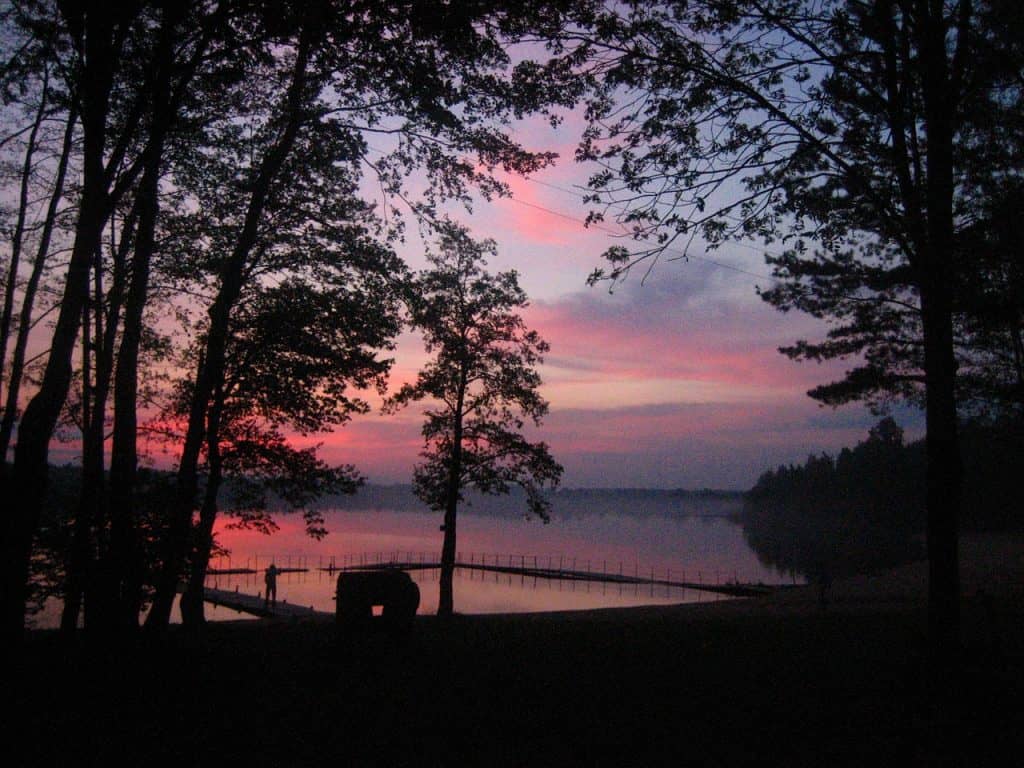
(194, 43)
(96, 38)
(483, 381)
(294, 352)
(990, 306)
(17, 238)
(157, 88)
(851, 130)
(435, 82)
(15, 373)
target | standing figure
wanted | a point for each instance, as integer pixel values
(271, 580)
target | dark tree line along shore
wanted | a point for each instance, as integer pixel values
(863, 510)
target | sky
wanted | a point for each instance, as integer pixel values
(673, 379)
(670, 380)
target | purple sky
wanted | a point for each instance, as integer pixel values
(670, 381)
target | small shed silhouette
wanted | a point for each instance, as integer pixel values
(391, 590)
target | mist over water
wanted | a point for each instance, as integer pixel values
(660, 534)
(667, 535)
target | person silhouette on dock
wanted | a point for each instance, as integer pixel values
(271, 580)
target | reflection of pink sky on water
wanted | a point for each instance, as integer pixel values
(707, 549)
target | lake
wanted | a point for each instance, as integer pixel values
(672, 537)
(675, 540)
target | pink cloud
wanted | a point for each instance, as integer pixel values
(594, 333)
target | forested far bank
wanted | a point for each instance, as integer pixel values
(864, 509)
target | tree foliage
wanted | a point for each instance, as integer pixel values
(483, 382)
(806, 123)
(249, 164)
(864, 136)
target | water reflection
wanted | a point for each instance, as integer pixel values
(702, 545)
(478, 592)
(705, 548)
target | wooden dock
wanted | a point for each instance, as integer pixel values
(731, 589)
(250, 571)
(255, 605)
(514, 566)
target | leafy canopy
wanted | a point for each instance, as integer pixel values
(819, 124)
(482, 377)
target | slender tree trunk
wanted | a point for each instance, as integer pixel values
(944, 474)
(19, 228)
(192, 600)
(124, 589)
(944, 478)
(31, 287)
(210, 372)
(80, 556)
(86, 573)
(124, 555)
(28, 480)
(122, 560)
(446, 597)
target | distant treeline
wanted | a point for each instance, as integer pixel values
(884, 476)
(864, 509)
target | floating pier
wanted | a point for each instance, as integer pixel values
(255, 605)
(249, 571)
(732, 589)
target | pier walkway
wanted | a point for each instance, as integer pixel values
(515, 565)
(255, 606)
(729, 588)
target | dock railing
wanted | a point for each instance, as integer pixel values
(559, 567)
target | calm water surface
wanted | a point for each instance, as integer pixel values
(706, 548)
(692, 541)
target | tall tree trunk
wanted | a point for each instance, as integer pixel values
(19, 228)
(944, 478)
(210, 371)
(28, 480)
(80, 555)
(122, 556)
(192, 600)
(944, 473)
(446, 596)
(122, 560)
(84, 573)
(446, 591)
(31, 287)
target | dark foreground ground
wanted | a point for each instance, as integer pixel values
(769, 683)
